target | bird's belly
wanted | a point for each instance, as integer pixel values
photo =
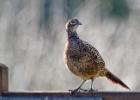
(83, 70)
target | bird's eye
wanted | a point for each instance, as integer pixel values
(72, 22)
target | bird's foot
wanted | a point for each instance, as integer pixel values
(92, 90)
(75, 91)
(83, 90)
(78, 90)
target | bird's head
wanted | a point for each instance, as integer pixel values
(72, 25)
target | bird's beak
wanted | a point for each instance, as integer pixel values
(79, 23)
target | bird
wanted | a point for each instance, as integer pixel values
(84, 60)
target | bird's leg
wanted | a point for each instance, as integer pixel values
(91, 88)
(77, 89)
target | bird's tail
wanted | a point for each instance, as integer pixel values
(115, 79)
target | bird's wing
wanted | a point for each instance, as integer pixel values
(91, 55)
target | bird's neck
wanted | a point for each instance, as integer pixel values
(72, 35)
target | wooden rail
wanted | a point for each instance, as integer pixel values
(79, 96)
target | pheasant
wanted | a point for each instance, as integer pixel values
(84, 60)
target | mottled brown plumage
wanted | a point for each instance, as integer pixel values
(83, 59)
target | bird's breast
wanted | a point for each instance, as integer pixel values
(73, 50)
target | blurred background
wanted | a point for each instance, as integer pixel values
(33, 36)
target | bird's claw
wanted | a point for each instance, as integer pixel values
(79, 90)
(83, 90)
(74, 91)
(92, 90)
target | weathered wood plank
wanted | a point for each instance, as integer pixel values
(3, 77)
(68, 96)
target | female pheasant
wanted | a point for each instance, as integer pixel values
(83, 59)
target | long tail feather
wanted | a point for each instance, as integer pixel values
(116, 80)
